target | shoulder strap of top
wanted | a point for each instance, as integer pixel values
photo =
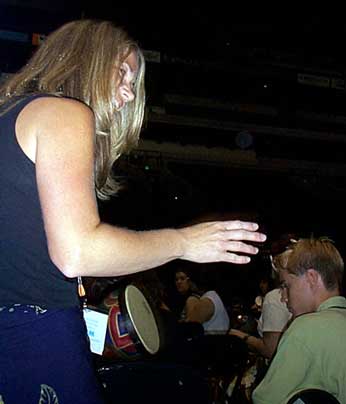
(14, 101)
(9, 105)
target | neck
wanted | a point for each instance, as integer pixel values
(325, 294)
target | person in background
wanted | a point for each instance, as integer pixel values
(74, 108)
(185, 288)
(204, 307)
(264, 285)
(311, 352)
(272, 323)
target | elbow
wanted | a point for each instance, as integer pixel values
(70, 270)
(69, 263)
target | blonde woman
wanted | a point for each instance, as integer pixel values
(73, 109)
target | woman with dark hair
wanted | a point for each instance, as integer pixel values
(72, 110)
(202, 306)
(186, 288)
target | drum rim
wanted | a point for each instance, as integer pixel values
(143, 344)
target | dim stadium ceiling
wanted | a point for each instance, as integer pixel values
(259, 88)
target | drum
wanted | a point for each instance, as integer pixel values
(132, 329)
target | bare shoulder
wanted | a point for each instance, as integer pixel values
(59, 103)
(207, 300)
(192, 298)
(53, 118)
(56, 113)
(192, 301)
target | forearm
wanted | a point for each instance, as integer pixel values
(264, 346)
(258, 345)
(91, 248)
(113, 251)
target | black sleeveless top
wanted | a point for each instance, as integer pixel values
(27, 274)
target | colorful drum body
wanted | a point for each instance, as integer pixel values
(132, 328)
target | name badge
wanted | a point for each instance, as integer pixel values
(97, 327)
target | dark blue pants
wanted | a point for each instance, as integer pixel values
(45, 356)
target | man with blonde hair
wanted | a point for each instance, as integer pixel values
(311, 353)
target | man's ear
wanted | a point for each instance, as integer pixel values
(313, 278)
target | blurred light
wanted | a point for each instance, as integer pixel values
(244, 139)
(146, 167)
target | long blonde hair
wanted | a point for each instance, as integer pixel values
(81, 60)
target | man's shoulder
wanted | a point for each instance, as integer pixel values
(315, 325)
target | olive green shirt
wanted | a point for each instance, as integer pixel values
(311, 354)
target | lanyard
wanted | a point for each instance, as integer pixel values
(81, 292)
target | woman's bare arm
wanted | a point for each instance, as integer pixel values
(265, 346)
(199, 310)
(62, 134)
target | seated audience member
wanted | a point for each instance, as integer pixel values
(264, 287)
(311, 352)
(185, 288)
(205, 308)
(274, 318)
(270, 326)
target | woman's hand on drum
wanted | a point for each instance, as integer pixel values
(221, 241)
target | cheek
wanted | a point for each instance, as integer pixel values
(293, 291)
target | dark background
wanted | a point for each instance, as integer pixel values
(245, 117)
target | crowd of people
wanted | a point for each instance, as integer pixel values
(65, 117)
(298, 343)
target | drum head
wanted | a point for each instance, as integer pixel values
(142, 319)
